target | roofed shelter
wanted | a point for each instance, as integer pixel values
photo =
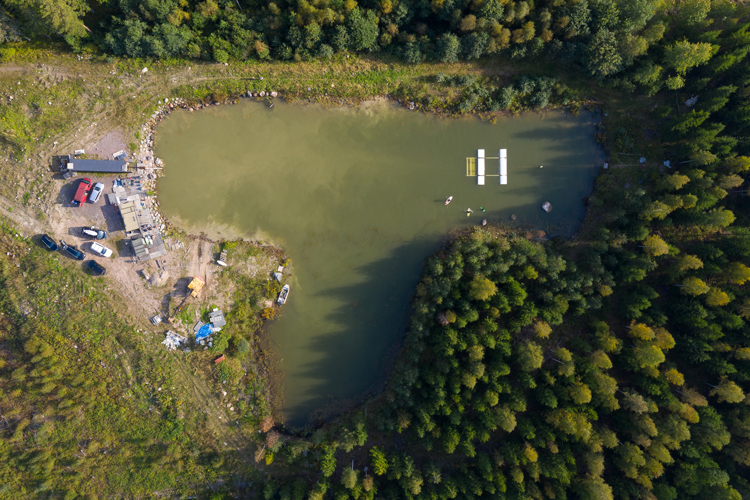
(128, 212)
(106, 166)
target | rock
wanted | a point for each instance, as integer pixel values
(262, 93)
(274, 94)
(513, 217)
(144, 70)
(442, 319)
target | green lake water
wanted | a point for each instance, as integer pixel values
(355, 197)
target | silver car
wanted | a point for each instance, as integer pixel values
(96, 192)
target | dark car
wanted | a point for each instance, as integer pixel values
(72, 251)
(97, 268)
(49, 243)
(92, 232)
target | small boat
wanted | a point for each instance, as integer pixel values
(222, 260)
(283, 295)
(449, 199)
(546, 206)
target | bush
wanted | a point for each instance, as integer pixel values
(7, 54)
(221, 56)
(412, 53)
(325, 51)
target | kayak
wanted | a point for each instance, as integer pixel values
(450, 198)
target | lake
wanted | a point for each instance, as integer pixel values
(355, 197)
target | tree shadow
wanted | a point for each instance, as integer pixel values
(353, 362)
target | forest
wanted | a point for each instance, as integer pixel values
(605, 37)
(615, 365)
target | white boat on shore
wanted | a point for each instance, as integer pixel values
(283, 295)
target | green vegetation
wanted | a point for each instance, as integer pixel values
(614, 365)
(92, 407)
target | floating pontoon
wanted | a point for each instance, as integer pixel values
(503, 166)
(480, 167)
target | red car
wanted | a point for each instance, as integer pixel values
(82, 193)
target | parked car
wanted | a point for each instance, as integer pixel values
(49, 243)
(101, 250)
(96, 192)
(96, 268)
(72, 251)
(82, 192)
(92, 232)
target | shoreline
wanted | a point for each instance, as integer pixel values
(268, 357)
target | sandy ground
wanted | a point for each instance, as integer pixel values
(112, 142)
(169, 274)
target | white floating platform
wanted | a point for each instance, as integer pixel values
(503, 166)
(480, 167)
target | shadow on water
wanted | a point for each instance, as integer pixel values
(364, 337)
(373, 339)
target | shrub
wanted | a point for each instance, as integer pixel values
(221, 56)
(7, 54)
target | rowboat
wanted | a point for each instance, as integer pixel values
(283, 295)
(449, 199)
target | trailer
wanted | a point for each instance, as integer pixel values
(73, 164)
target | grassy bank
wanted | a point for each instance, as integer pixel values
(55, 101)
(93, 406)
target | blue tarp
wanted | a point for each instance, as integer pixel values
(204, 332)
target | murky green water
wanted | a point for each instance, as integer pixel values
(355, 197)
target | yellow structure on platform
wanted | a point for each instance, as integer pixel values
(471, 167)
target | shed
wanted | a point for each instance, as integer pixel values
(139, 248)
(216, 317)
(127, 211)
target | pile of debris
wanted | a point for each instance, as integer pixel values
(174, 340)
